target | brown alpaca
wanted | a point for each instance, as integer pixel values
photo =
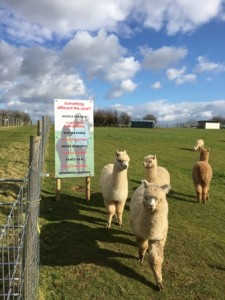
(202, 175)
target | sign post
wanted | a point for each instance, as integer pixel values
(74, 139)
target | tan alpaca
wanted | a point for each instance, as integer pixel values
(202, 175)
(149, 223)
(155, 173)
(114, 186)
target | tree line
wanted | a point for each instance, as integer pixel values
(101, 118)
(113, 118)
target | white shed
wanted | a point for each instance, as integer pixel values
(208, 124)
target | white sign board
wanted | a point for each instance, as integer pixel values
(74, 138)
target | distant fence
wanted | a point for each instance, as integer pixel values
(19, 236)
(12, 121)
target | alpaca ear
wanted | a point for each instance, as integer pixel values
(117, 153)
(154, 157)
(144, 164)
(166, 188)
(144, 183)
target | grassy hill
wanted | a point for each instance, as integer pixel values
(81, 259)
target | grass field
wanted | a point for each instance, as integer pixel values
(81, 259)
(14, 161)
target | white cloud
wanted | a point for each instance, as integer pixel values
(33, 77)
(36, 21)
(179, 76)
(126, 86)
(162, 57)
(100, 55)
(170, 113)
(58, 48)
(156, 85)
(204, 65)
(10, 62)
(187, 15)
(123, 69)
(186, 78)
(44, 74)
(24, 31)
(173, 74)
(56, 17)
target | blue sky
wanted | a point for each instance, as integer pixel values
(160, 57)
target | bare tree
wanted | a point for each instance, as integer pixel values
(220, 119)
(124, 119)
(150, 117)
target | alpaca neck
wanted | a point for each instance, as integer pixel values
(151, 174)
(204, 158)
(117, 176)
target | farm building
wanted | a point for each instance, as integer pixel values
(208, 124)
(140, 123)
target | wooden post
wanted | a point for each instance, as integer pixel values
(88, 188)
(39, 124)
(58, 189)
(31, 234)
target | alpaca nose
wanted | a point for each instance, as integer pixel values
(152, 204)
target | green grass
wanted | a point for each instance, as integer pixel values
(14, 162)
(81, 259)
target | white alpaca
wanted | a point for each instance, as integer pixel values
(114, 186)
(149, 222)
(155, 173)
(199, 145)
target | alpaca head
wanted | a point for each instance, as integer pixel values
(150, 161)
(153, 194)
(204, 155)
(122, 160)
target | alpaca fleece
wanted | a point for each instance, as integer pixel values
(202, 176)
(149, 223)
(114, 186)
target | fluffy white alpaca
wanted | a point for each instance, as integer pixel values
(114, 186)
(155, 173)
(199, 145)
(149, 222)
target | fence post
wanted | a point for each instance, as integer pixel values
(88, 188)
(39, 124)
(58, 189)
(31, 247)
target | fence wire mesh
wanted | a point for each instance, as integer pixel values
(19, 236)
(12, 246)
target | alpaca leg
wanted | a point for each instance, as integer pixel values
(198, 190)
(156, 256)
(142, 248)
(111, 209)
(119, 212)
(205, 193)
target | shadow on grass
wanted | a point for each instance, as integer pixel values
(73, 236)
(181, 197)
(69, 206)
(218, 267)
(187, 149)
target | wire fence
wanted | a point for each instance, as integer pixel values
(19, 236)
